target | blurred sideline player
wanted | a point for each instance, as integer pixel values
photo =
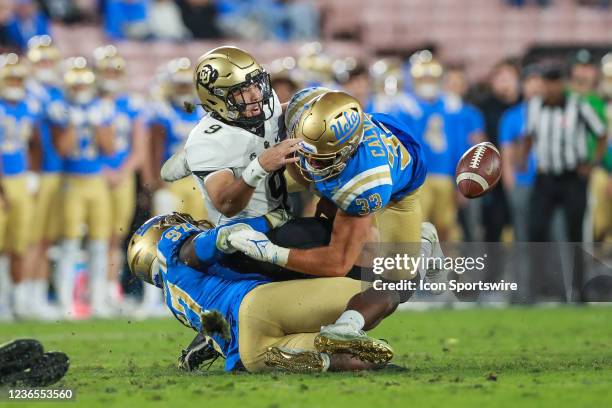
(18, 127)
(82, 132)
(129, 150)
(45, 86)
(169, 124)
(441, 126)
(601, 179)
(384, 88)
(181, 256)
(456, 87)
(518, 177)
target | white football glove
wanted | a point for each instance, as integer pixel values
(223, 243)
(257, 246)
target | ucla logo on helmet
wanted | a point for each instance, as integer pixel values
(346, 125)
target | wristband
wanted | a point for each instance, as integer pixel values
(254, 173)
(281, 257)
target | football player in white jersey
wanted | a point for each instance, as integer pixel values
(234, 151)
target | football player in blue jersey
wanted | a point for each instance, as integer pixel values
(362, 163)
(82, 132)
(254, 323)
(44, 85)
(170, 124)
(442, 126)
(129, 144)
(369, 168)
(518, 177)
(18, 126)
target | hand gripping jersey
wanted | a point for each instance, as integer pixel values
(125, 110)
(214, 145)
(189, 292)
(85, 159)
(387, 166)
(17, 120)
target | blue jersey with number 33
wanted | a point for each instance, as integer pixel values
(388, 165)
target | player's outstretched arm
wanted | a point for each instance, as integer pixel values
(349, 235)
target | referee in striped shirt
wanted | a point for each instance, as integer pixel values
(557, 127)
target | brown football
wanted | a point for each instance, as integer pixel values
(478, 170)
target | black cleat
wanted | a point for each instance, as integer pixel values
(199, 351)
(47, 369)
(18, 355)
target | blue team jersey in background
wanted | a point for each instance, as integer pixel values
(443, 133)
(17, 120)
(189, 292)
(85, 158)
(387, 165)
(177, 124)
(512, 127)
(52, 162)
(125, 111)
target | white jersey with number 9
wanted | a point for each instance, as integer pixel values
(215, 146)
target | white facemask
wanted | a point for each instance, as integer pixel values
(83, 97)
(46, 76)
(111, 86)
(13, 93)
(427, 91)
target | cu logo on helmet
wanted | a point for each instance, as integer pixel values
(207, 76)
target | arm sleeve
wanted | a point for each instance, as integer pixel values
(593, 121)
(533, 113)
(175, 168)
(507, 129)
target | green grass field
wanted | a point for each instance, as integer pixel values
(502, 358)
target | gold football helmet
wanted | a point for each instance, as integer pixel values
(426, 73)
(44, 57)
(79, 80)
(180, 82)
(314, 65)
(224, 77)
(331, 127)
(387, 76)
(142, 248)
(109, 67)
(13, 73)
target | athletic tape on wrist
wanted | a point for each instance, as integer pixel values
(254, 173)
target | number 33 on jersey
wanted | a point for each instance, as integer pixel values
(387, 166)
